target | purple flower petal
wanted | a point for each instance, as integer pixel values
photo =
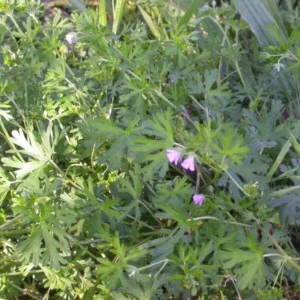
(189, 163)
(173, 156)
(198, 199)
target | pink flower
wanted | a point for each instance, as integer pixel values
(173, 156)
(189, 163)
(198, 199)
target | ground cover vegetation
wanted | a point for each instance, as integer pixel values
(150, 150)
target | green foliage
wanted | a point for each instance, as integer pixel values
(248, 265)
(91, 205)
(266, 22)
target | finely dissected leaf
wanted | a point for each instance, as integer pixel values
(230, 145)
(109, 188)
(151, 154)
(39, 150)
(160, 126)
(5, 185)
(55, 279)
(30, 249)
(263, 129)
(289, 205)
(44, 245)
(158, 165)
(133, 185)
(163, 250)
(4, 112)
(132, 142)
(30, 146)
(24, 168)
(248, 266)
(39, 153)
(177, 193)
(213, 91)
(56, 246)
(151, 151)
(287, 198)
(118, 140)
(117, 152)
(173, 213)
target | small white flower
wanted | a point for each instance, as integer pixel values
(279, 66)
(71, 38)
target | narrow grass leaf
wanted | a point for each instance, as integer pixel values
(279, 159)
(264, 20)
(102, 13)
(285, 191)
(118, 12)
(295, 144)
(78, 4)
(189, 13)
(154, 29)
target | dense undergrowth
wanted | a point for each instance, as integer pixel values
(157, 158)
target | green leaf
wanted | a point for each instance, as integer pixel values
(30, 249)
(56, 246)
(133, 185)
(230, 146)
(288, 204)
(153, 27)
(45, 245)
(4, 112)
(160, 126)
(24, 168)
(285, 149)
(30, 146)
(189, 13)
(264, 20)
(173, 213)
(152, 155)
(102, 13)
(248, 266)
(5, 185)
(40, 153)
(117, 12)
(78, 4)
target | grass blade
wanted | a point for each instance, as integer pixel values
(264, 20)
(78, 5)
(102, 13)
(266, 23)
(117, 13)
(285, 149)
(189, 13)
(150, 23)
